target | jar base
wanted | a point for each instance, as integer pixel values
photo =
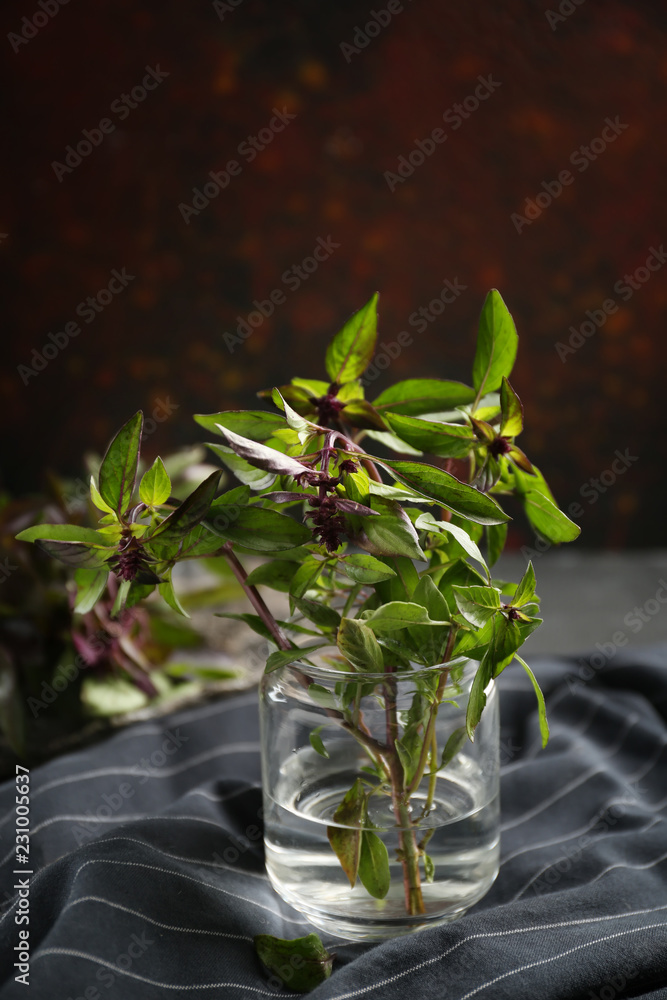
(378, 929)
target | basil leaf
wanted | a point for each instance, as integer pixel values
(446, 440)
(374, 872)
(345, 839)
(497, 342)
(358, 644)
(424, 395)
(259, 425)
(118, 471)
(351, 350)
(446, 490)
(155, 485)
(512, 410)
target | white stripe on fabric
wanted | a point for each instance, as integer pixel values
(156, 923)
(554, 958)
(552, 864)
(144, 979)
(495, 934)
(189, 878)
(193, 861)
(114, 819)
(574, 833)
(151, 772)
(582, 779)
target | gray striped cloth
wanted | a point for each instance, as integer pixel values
(149, 882)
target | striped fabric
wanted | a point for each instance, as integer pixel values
(148, 876)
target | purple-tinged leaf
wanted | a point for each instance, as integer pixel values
(352, 507)
(193, 509)
(263, 457)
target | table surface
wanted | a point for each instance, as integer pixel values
(149, 880)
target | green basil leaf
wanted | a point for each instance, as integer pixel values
(118, 471)
(512, 410)
(259, 425)
(360, 413)
(446, 490)
(257, 528)
(317, 743)
(64, 533)
(397, 615)
(454, 745)
(374, 872)
(318, 613)
(315, 387)
(424, 395)
(497, 343)
(155, 485)
(428, 523)
(445, 440)
(547, 519)
(477, 604)
(313, 963)
(542, 708)
(526, 589)
(90, 585)
(345, 839)
(283, 657)
(358, 644)
(189, 513)
(477, 697)
(390, 534)
(258, 626)
(276, 574)
(168, 595)
(100, 502)
(351, 350)
(365, 569)
(427, 594)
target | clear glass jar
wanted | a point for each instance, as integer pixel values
(322, 729)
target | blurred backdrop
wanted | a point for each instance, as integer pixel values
(167, 167)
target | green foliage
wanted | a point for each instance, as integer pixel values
(301, 963)
(384, 560)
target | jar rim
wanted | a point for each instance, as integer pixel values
(333, 674)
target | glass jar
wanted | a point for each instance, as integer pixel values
(394, 746)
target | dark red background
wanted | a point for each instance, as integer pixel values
(162, 338)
